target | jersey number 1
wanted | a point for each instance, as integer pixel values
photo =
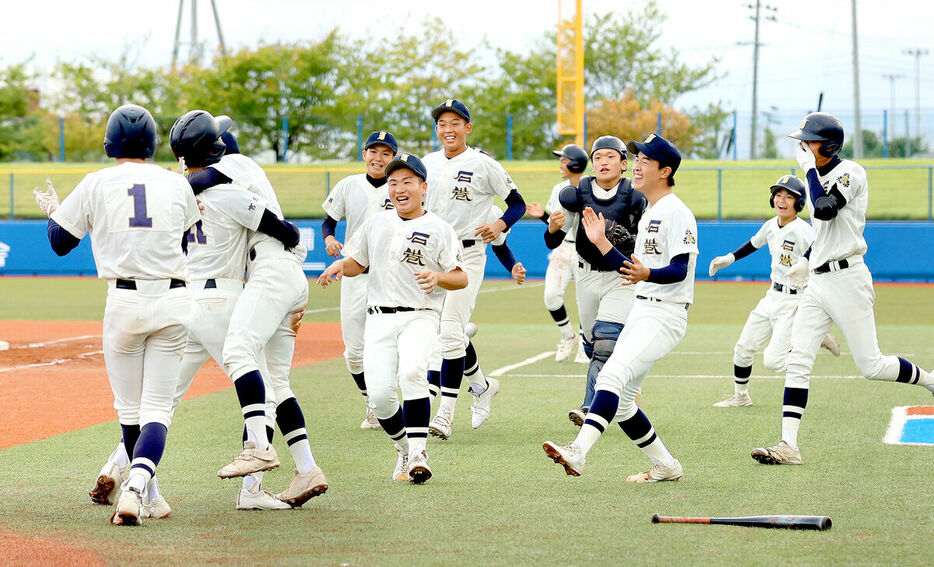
(139, 218)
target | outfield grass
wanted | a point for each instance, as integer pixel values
(901, 193)
(495, 498)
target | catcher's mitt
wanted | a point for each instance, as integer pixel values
(620, 238)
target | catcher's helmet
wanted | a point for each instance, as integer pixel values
(608, 142)
(577, 156)
(196, 137)
(130, 133)
(821, 127)
(791, 184)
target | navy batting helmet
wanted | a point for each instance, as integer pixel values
(824, 128)
(577, 156)
(608, 142)
(794, 186)
(130, 133)
(196, 137)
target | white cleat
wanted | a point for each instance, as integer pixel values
(369, 420)
(735, 401)
(129, 510)
(259, 500)
(401, 472)
(569, 456)
(781, 454)
(830, 343)
(157, 508)
(480, 410)
(658, 473)
(418, 468)
(110, 477)
(441, 425)
(251, 460)
(564, 348)
(581, 357)
(304, 487)
(577, 416)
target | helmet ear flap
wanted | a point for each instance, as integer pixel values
(799, 204)
(772, 200)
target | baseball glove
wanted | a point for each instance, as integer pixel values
(620, 238)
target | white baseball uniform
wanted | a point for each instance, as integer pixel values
(355, 199)
(137, 214)
(772, 318)
(562, 261)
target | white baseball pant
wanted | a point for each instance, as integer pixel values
(770, 321)
(601, 295)
(353, 320)
(459, 304)
(559, 273)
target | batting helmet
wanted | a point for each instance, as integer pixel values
(824, 128)
(608, 142)
(577, 156)
(791, 184)
(196, 137)
(130, 133)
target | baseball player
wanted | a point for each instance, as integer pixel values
(462, 183)
(415, 256)
(137, 214)
(355, 198)
(562, 262)
(788, 238)
(662, 269)
(839, 286)
(602, 303)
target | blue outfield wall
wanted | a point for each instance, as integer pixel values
(898, 250)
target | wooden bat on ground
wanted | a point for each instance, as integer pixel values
(821, 523)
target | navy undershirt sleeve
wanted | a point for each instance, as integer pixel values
(61, 240)
(674, 272)
(284, 232)
(515, 210)
(615, 258)
(505, 256)
(744, 250)
(206, 178)
(544, 217)
(328, 227)
(554, 239)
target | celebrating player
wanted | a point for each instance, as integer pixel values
(662, 269)
(840, 285)
(602, 303)
(415, 256)
(355, 198)
(562, 262)
(462, 184)
(788, 238)
(137, 214)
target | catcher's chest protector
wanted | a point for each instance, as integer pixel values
(624, 208)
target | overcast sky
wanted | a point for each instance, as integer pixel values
(807, 51)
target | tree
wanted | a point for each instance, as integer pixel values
(873, 146)
(628, 119)
(21, 127)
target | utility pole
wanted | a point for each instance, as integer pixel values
(858, 135)
(892, 77)
(195, 47)
(917, 54)
(758, 7)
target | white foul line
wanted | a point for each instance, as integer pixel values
(536, 358)
(714, 376)
(56, 341)
(52, 362)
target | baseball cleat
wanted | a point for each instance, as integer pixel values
(577, 416)
(735, 401)
(569, 456)
(441, 425)
(830, 343)
(259, 500)
(564, 348)
(658, 473)
(581, 357)
(110, 477)
(251, 460)
(781, 454)
(369, 420)
(480, 410)
(401, 471)
(158, 508)
(418, 468)
(129, 510)
(304, 487)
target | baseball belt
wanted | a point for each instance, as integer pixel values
(130, 284)
(657, 300)
(784, 288)
(372, 310)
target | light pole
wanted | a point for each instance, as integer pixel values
(892, 77)
(917, 53)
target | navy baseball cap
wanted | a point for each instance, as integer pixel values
(659, 149)
(382, 138)
(451, 105)
(410, 162)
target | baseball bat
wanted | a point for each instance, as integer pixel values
(821, 523)
(820, 100)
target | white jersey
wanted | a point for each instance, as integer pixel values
(461, 189)
(355, 199)
(786, 244)
(394, 249)
(667, 229)
(137, 214)
(217, 244)
(494, 215)
(554, 204)
(842, 236)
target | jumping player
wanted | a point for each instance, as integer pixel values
(602, 303)
(839, 286)
(562, 262)
(463, 182)
(662, 270)
(355, 198)
(415, 257)
(788, 238)
(137, 214)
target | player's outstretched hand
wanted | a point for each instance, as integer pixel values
(594, 226)
(333, 272)
(798, 274)
(805, 157)
(556, 221)
(489, 231)
(333, 247)
(518, 273)
(720, 262)
(634, 271)
(427, 280)
(48, 199)
(535, 210)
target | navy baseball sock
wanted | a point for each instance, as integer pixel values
(741, 376)
(360, 382)
(416, 414)
(640, 430)
(291, 423)
(434, 383)
(560, 315)
(394, 426)
(472, 372)
(130, 436)
(793, 404)
(252, 396)
(452, 374)
(601, 412)
(270, 433)
(146, 455)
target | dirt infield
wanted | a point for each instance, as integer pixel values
(54, 379)
(28, 551)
